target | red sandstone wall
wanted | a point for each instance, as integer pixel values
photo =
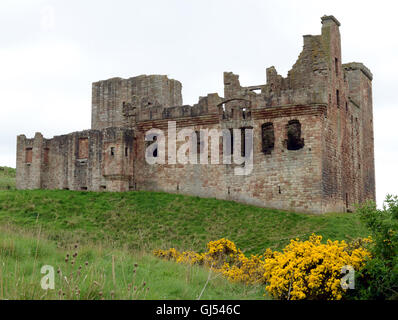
(285, 179)
(333, 170)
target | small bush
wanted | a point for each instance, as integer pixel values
(219, 252)
(379, 278)
(311, 269)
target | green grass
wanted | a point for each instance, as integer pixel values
(38, 227)
(7, 178)
(110, 273)
(148, 220)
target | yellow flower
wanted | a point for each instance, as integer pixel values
(304, 270)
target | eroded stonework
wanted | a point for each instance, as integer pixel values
(313, 136)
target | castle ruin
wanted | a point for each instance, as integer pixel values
(313, 147)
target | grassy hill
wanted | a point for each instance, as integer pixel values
(117, 230)
(148, 220)
(7, 178)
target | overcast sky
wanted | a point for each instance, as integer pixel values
(51, 52)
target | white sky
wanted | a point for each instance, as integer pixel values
(51, 52)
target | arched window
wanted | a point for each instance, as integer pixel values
(294, 140)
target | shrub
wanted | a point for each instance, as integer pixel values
(304, 270)
(219, 252)
(244, 269)
(310, 269)
(379, 278)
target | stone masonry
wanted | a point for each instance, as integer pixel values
(313, 147)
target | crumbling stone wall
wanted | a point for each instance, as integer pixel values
(313, 136)
(68, 167)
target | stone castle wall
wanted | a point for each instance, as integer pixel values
(312, 136)
(77, 161)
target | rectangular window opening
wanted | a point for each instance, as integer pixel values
(336, 66)
(46, 155)
(232, 140)
(155, 152)
(28, 155)
(243, 141)
(294, 140)
(267, 137)
(198, 145)
(83, 148)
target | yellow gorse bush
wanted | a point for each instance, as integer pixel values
(219, 252)
(244, 269)
(304, 270)
(311, 269)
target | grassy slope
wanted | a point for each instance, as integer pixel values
(127, 226)
(7, 178)
(148, 220)
(23, 254)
